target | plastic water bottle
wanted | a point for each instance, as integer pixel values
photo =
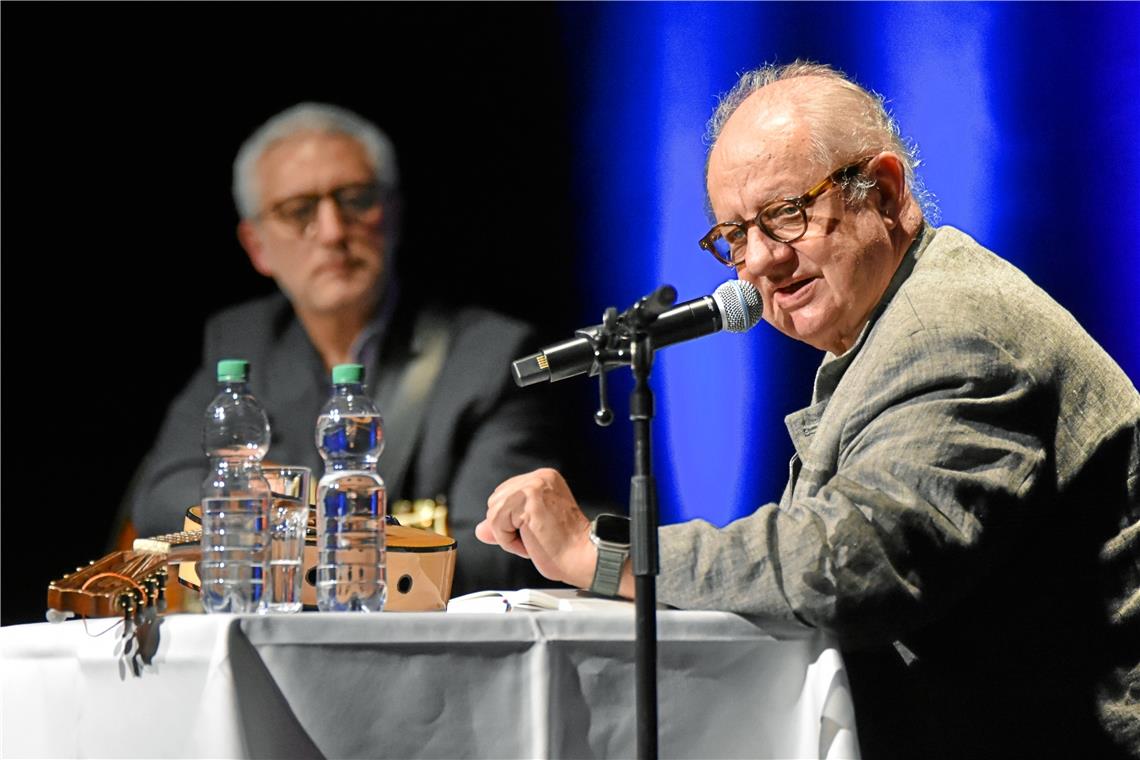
(351, 500)
(235, 497)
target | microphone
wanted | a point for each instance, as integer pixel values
(734, 306)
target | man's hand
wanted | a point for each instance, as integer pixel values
(535, 516)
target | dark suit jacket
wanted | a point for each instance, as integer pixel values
(477, 428)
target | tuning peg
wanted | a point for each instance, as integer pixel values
(151, 586)
(127, 603)
(162, 577)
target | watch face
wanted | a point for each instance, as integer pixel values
(613, 529)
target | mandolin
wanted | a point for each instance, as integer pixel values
(421, 565)
(117, 584)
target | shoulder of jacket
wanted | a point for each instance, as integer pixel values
(267, 308)
(479, 323)
(959, 284)
(249, 326)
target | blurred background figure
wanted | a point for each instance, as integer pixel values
(317, 190)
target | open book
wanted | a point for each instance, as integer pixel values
(531, 599)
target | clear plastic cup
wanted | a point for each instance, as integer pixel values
(288, 521)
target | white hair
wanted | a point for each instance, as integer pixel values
(321, 118)
(846, 123)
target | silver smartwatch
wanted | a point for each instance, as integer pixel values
(610, 533)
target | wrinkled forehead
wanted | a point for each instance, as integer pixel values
(312, 162)
(763, 152)
(772, 125)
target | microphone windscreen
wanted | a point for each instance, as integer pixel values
(740, 305)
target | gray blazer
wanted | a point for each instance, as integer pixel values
(963, 512)
(477, 428)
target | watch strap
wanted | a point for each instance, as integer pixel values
(607, 571)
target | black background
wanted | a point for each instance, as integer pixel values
(120, 123)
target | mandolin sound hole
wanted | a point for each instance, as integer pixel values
(404, 585)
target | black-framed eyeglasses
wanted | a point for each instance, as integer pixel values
(360, 203)
(784, 220)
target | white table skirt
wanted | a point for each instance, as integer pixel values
(525, 685)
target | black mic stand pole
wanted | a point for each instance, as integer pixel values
(643, 526)
(621, 340)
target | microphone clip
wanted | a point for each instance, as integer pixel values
(612, 341)
(648, 308)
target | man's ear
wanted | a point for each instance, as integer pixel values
(250, 240)
(890, 186)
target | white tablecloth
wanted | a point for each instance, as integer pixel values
(525, 685)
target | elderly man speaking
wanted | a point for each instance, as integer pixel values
(963, 510)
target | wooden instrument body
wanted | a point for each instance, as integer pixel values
(420, 567)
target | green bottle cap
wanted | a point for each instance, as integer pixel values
(347, 373)
(233, 370)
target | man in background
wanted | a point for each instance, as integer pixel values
(317, 190)
(963, 510)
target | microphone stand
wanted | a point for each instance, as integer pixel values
(627, 339)
(643, 528)
(620, 340)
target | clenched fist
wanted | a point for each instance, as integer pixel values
(535, 516)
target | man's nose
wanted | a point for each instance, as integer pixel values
(767, 257)
(330, 224)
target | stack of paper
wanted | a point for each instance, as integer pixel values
(531, 600)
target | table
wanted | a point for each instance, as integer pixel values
(515, 685)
